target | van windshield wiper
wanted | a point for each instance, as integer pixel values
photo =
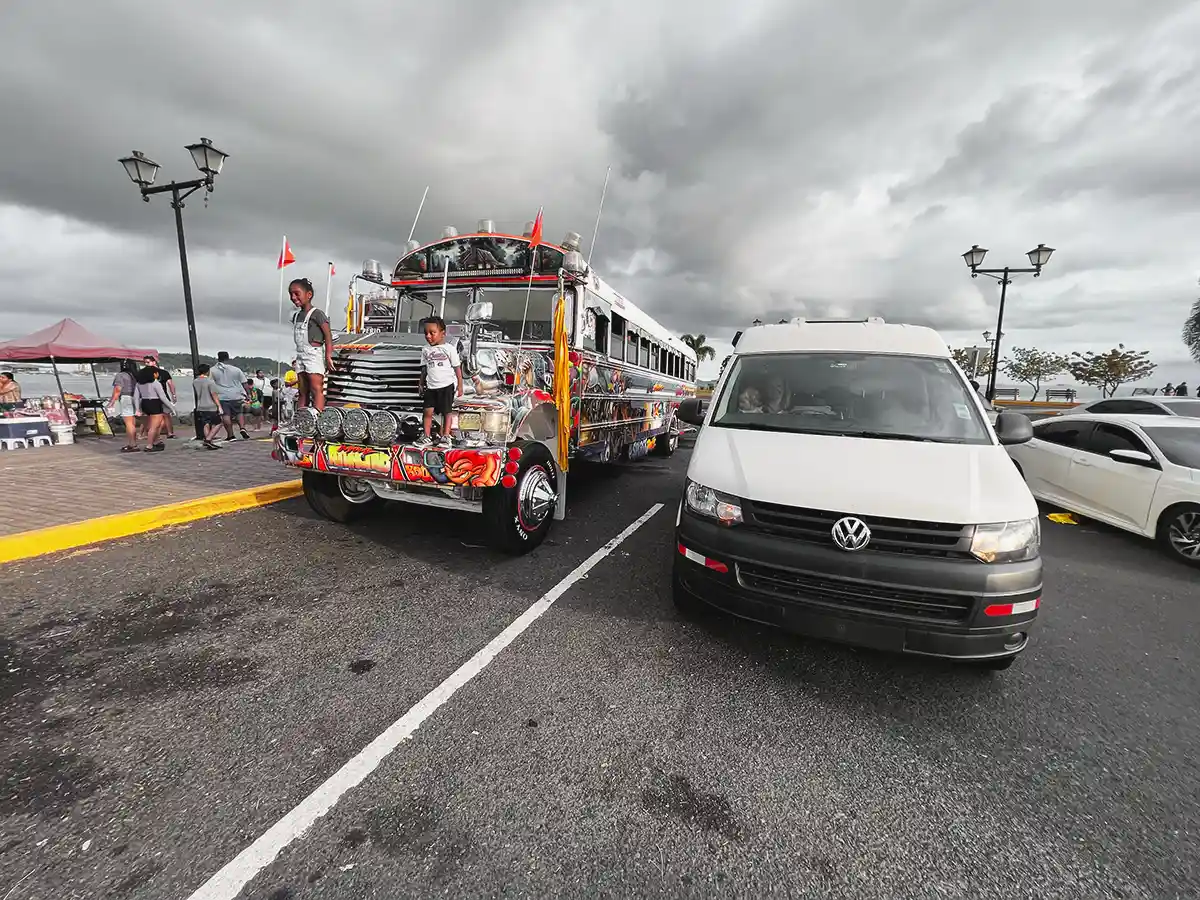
(894, 436)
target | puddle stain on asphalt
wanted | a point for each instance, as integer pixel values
(362, 666)
(676, 797)
(72, 671)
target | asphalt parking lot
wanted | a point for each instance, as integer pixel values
(167, 700)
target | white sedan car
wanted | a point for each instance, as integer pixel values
(1139, 473)
(1141, 406)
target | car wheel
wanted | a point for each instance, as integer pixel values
(668, 442)
(519, 518)
(338, 498)
(1179, 533)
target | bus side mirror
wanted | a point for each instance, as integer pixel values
(691, 411)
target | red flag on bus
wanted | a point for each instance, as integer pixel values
(535, 238)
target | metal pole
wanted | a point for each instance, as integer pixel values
(991, 393)
(177, 205)
(96, 381)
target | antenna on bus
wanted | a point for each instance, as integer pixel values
(596, 230)
(413, 230)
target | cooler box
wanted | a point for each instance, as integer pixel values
(24, 429)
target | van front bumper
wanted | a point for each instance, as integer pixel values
(908, 604)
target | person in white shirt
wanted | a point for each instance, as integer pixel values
(441, 379)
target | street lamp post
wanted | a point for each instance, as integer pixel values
(1038, 257)
(142, 171)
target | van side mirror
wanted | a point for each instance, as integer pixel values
(1134, 457)
(691, 411)
(1013, 428)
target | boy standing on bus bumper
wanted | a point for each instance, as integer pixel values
(441, 379)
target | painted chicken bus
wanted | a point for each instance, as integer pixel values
(628, 375)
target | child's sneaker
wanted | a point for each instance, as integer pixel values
(444, 441)
(424, 441)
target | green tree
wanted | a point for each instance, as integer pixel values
(1191, 331)
(699, 345)
(1034, 366)
(1108, 371)
(962, 356)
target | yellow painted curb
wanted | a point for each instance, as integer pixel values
(26, 544)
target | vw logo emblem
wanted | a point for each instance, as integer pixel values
(850, 533)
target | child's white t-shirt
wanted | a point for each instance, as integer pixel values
(440, 361)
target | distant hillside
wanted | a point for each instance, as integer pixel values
(248, 364)
(245, 363)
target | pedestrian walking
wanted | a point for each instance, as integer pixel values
(150, 398)
(231, 386)
(121, 403)
(208, 406)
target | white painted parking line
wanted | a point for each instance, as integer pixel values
(238, 872)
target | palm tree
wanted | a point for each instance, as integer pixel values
(699, 345)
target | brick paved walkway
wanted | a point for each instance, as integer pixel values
(56, 485)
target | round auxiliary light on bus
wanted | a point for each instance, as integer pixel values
(371, 270)
(572, 241)
(305, 421)
(355, 424)
(383, 427)
(487, 226)
(411, 246)
(329, 423)
(449, 231)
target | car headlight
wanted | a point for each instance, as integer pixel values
(1007, 541)
(704, 501)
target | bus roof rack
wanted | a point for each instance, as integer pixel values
(869, 320)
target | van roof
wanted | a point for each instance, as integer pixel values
(871, 335)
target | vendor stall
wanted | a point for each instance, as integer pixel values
(64, 342)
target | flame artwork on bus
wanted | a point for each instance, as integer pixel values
(519, 310)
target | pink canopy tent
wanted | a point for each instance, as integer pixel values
(68, 341)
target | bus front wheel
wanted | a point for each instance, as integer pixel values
(518, 518)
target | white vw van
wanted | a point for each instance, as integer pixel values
(846, 484)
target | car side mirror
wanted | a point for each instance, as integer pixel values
(1013, 428)
(1134, 458)
(691, 411)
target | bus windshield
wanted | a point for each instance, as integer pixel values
(870, 395)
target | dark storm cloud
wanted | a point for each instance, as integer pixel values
(771, 158)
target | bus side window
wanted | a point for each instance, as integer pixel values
(644, 356)
(617, 345)
(631, 345)
(655, 357)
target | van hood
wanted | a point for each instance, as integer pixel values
(964, 484)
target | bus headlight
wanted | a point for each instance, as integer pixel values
(329, 423)
(305, 421)
(1007, 541)
(356, 424)
(383, 427)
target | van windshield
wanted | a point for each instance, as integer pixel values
(869, 395)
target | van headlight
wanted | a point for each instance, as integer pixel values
(704, 501)
(1007, 541)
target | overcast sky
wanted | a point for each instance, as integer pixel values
(770, 157)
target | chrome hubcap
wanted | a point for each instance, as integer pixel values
(356, 490)
(536, 498)
(1184, 535)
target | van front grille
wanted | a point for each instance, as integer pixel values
(910, 537)
(898, 601)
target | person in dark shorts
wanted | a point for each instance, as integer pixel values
(208, 406)
(441, 379)
(164, 377)
(152, 401)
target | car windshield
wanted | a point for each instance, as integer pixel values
(1183, 407)
(870, 395)
(1179, 445)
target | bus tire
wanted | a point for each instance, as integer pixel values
(667, 442)
(324, 494)
(517, 519)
